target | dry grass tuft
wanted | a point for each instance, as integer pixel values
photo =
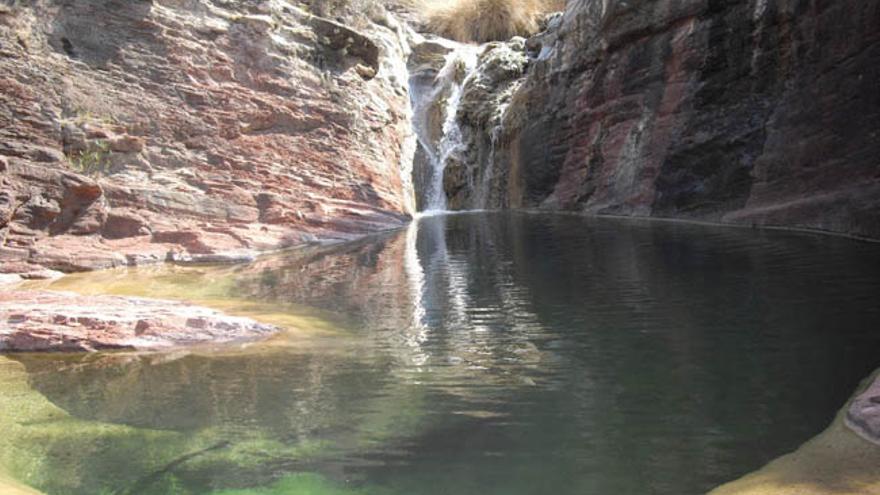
(487, 20)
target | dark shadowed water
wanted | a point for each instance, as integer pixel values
(479, 354)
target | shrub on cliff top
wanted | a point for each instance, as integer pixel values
(487, 20)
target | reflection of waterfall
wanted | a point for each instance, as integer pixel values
(446, 299)
(418, 332)
(475, 311)
(441, 143)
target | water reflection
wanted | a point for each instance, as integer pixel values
(491, 353)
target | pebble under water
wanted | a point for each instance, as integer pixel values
(473, 354)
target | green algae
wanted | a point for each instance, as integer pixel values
(39, 438)
(302, 484)
(214, 286)
(58, 448)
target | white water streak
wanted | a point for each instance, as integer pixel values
(449, 82)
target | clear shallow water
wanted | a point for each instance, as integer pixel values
(471, 354)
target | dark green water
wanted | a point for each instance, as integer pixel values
(473, 354)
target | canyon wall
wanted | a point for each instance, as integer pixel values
(139, 131)
(759, 112)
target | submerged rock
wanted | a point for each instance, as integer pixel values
(62, 321)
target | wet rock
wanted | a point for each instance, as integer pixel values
(457, 177)
(437, 69)
(863, 415)
(723, 111)
(67, 255)
(232, 257)
(485, 94)
(27, 271)
(485, 98)
(428, 57)
(40, 273)
(59, 321)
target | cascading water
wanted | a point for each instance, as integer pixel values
(445, 90)
(460, 96)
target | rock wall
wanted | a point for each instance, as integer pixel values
(137, 131)
(761, 112)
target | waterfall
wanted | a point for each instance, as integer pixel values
(482, 193)
(445, 90)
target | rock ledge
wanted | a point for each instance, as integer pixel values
(62, 321)
(863, 415)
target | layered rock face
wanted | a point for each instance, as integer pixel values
(759, 112)
(137, 131)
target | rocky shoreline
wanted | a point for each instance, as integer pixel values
(841, 460)
(49, 321)
(863, 414)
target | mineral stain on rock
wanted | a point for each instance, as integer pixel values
(737, 112)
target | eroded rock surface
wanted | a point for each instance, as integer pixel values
(758, 112)
(61, 321)
(863, 415)
(139, 131)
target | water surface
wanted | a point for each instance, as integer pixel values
(470, 354)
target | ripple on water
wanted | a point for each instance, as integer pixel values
(486, 353)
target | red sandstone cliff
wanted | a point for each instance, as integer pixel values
(761, 112)
(136, 131)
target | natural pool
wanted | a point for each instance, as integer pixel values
(469, 354)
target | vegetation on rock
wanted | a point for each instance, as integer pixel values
(92, 161)
(488, 20)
